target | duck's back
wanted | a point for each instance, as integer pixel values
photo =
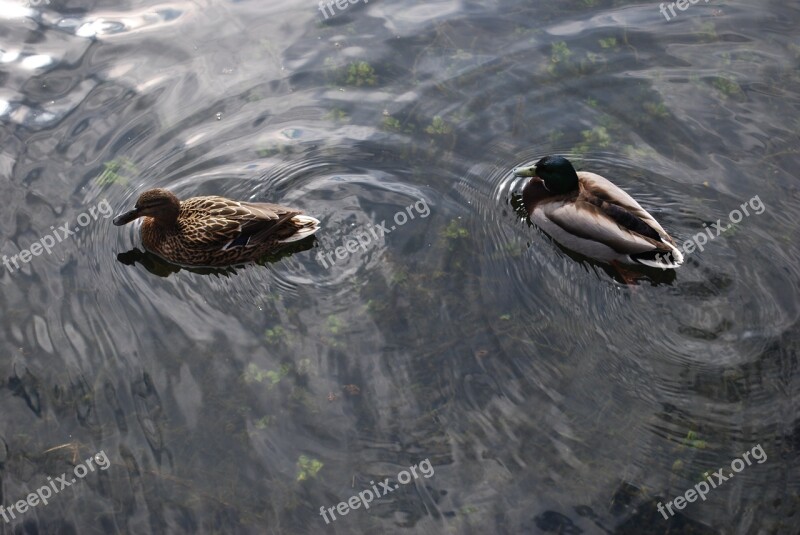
(595, 186)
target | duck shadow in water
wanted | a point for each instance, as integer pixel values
(158, 266)
(627, 274)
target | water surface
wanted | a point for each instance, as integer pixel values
(547, 395)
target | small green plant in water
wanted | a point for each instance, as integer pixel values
(514, 250)
(337, 115)
(559, 56)
(658, 110)
(276, 376)
(307, 468)
(254, 374)
(454, 230)
(334, 325)
(728, 88)
(360, 73)
(274, 149)
(263, 423)
(468, 510)
(707, 30)
(692, 441)
(596, 138)
(635, 152)
(400, 276)
(608, 42)
(438, 127)
(376, 305)
(116, 172)
(560, 52)
(254, 95)
(392, 124)
(554, 137)
(275, 335)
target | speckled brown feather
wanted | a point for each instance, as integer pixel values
(215, 231)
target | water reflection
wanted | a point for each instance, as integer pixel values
(157, 266)
(548, 395)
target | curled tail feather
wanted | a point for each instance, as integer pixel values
(308, 227)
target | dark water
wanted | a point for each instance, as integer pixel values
(546, 395)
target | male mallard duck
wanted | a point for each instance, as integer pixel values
(590, 215)
(214, 231)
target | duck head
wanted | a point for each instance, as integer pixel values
(556, 172)
(160, 204)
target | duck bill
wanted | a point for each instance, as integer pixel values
(525, 171)
(127, 217)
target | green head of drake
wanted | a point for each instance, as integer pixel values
(556, 172)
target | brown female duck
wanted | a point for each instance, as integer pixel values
(214, 231)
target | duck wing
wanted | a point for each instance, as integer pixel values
(620, 206)
(585, 220)
(624, 218)
(220, 223)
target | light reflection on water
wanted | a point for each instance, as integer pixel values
(549, 396)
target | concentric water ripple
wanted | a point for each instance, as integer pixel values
(548, 394)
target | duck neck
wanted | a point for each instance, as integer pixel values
(166, 217)
(533, 193)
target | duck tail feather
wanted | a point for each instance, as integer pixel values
(671, 259)
(308, 227)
